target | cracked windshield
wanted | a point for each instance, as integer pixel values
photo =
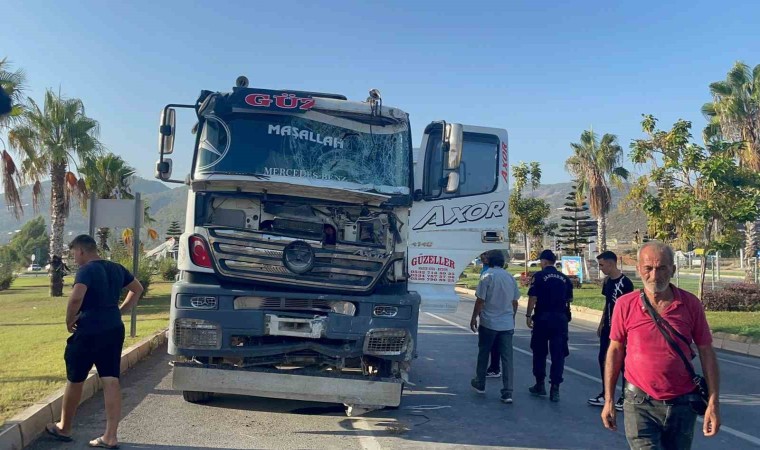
(368, 157)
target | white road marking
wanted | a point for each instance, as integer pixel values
(368, 441)
(747, 437)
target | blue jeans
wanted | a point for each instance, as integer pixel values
(657, 425)
(487, 338)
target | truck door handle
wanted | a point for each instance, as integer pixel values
(492, 236)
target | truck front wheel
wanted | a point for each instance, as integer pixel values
(196, 396)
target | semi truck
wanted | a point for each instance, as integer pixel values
(314, 237)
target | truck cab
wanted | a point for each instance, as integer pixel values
(312, 240)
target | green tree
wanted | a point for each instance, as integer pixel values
(573, 235)
(734, 116)
(701, 195)
(107, 176)
(597, 164)
(527, 215)
(49, 141)
(32, 239)
(174, 230)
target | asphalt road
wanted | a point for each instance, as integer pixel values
(439, 411)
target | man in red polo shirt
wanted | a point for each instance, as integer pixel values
(659, 390)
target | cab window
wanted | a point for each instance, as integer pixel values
(478, 173)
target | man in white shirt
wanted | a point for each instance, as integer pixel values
(493, 318)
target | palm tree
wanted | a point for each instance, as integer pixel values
(49, 140)
(597, 164)
(107, 176)
(13, 83)
(734, 116)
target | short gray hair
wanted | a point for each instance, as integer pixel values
(660, 247)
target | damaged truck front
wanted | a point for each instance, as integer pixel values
(296, 280)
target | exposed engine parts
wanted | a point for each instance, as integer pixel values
(329, 224)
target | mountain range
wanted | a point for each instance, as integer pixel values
(169, 204)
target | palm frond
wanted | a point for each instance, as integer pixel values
(36, 195)
(10, 185)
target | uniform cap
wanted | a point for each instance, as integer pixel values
(548, 255)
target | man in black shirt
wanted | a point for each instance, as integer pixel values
(615, 285)
(93, 316)
(550, 293)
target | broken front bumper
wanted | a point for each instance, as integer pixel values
(298, 385)
(381, 325)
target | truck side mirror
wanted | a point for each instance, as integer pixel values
(164, 169)
(452, 186)
(167, 128)
(453, 140)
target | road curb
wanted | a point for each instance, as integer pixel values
(744, 345)
(22, 429)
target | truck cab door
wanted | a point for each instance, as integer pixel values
(459, 210)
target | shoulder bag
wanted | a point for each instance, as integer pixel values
(700, 384)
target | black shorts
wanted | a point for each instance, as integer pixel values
(102, 350)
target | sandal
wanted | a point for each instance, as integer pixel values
(52, 430)
(99, 442)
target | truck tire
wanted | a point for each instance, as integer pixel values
(196, 396)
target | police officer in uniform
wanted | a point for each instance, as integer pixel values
(548, 315)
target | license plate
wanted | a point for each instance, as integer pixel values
(295, 326)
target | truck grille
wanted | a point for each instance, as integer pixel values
(196, 334)
(386, 341)
(253, 255)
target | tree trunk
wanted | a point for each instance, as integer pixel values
(750, 249)
(525, 237)
(601, 233)
(57, 222)
(702, 271)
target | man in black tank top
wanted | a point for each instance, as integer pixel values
(615, 285)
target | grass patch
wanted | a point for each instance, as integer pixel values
(735, 322)
(33, 336)
(590, 296)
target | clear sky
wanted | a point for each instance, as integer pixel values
(545, 71)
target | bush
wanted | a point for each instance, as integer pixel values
(6, 275)
(168, 270)
(6, 279)
(734, 297)
(145, 270)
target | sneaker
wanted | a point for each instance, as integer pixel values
(506, 398)
(554, 393)
(493, 374)
(537, 389)
(619, 404)
(596, 401)
(480, 389)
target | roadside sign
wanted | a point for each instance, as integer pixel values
(573, 265)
